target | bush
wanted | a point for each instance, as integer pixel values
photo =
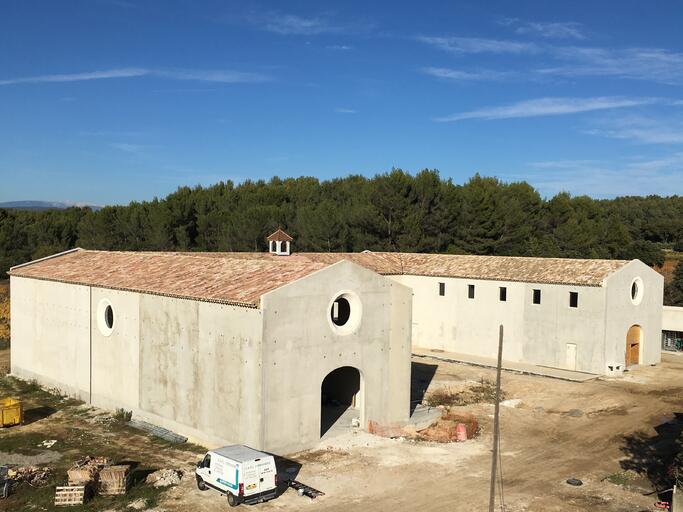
(122, 416)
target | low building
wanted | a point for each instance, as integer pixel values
(265, 353)
(594, 316)
(672, 329)
(271, 349)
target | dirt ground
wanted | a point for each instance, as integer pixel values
(613, 434)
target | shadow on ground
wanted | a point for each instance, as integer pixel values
(38, 413)
(653, 456)
(287, 470)
(421, 375)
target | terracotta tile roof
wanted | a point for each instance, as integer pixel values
(583, 272)
(279, 236)
(242, 278)
(188, 275)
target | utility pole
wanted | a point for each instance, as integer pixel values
(496, 424)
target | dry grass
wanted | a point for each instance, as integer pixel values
(670, 261)
(4, 312)
(482, 392)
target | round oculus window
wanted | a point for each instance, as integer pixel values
(105, 317)
(345, 312)
(636, 290)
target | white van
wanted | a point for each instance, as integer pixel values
(245, 475)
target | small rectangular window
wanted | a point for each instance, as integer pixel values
(470, 291)
(573, 299)
(537, 296)
(442, 289)
(503, 293)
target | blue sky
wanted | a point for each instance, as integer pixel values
(108, 101)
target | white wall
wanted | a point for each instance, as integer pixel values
(672, 319)
(622, 313)
(51, 334)
(301, 348)
(534, 333)
(200, 369)
(116, 357)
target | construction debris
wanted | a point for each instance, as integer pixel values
(451, 427)
(305, 490)
(33, 475)
(87, 469)
(69, 495)
(114, 480)
(48, 443)
(155, 430)
(164, 477)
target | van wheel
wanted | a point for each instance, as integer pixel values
(200, 484)
(232, 500)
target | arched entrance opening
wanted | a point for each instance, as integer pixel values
(634, 338)
(340, 399)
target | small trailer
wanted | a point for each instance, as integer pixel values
(243, 474)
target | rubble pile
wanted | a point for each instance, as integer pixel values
(164, 477)
(451, 427)
(35, 476)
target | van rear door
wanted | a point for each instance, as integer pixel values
(267, 472)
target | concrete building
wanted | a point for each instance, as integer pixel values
(271, 349)
(223, 350)
(594, 316)
(672, 329)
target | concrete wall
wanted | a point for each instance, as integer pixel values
(200, 369)
(116, 356)
(551, 326)
(301, 347)
(50, 325)
(534, 333)
(672, 319)
(621, 313)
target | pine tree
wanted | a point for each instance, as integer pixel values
(673, 292)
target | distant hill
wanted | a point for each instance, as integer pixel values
(44, 205)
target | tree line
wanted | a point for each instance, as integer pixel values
(394, 211)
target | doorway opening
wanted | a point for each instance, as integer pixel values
(340, 399)
(633, 339)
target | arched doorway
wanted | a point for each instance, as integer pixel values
(340, 399)
(634, 337)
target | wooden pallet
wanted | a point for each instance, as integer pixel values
(114, 487)
(68, 495)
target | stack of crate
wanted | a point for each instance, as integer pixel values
(83, 477)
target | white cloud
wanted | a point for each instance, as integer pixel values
(475, 45)
(292, 24)
(127, 148)
(641, 129)
(662, 175)
(548, 29)
(78, 77)
(549, 107)
(345, 111)
(652, 64)
(221, 76)
(339, 47)
(458, 75)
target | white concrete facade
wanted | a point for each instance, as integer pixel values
(218, 373)
(590, 337)
(672, 319)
